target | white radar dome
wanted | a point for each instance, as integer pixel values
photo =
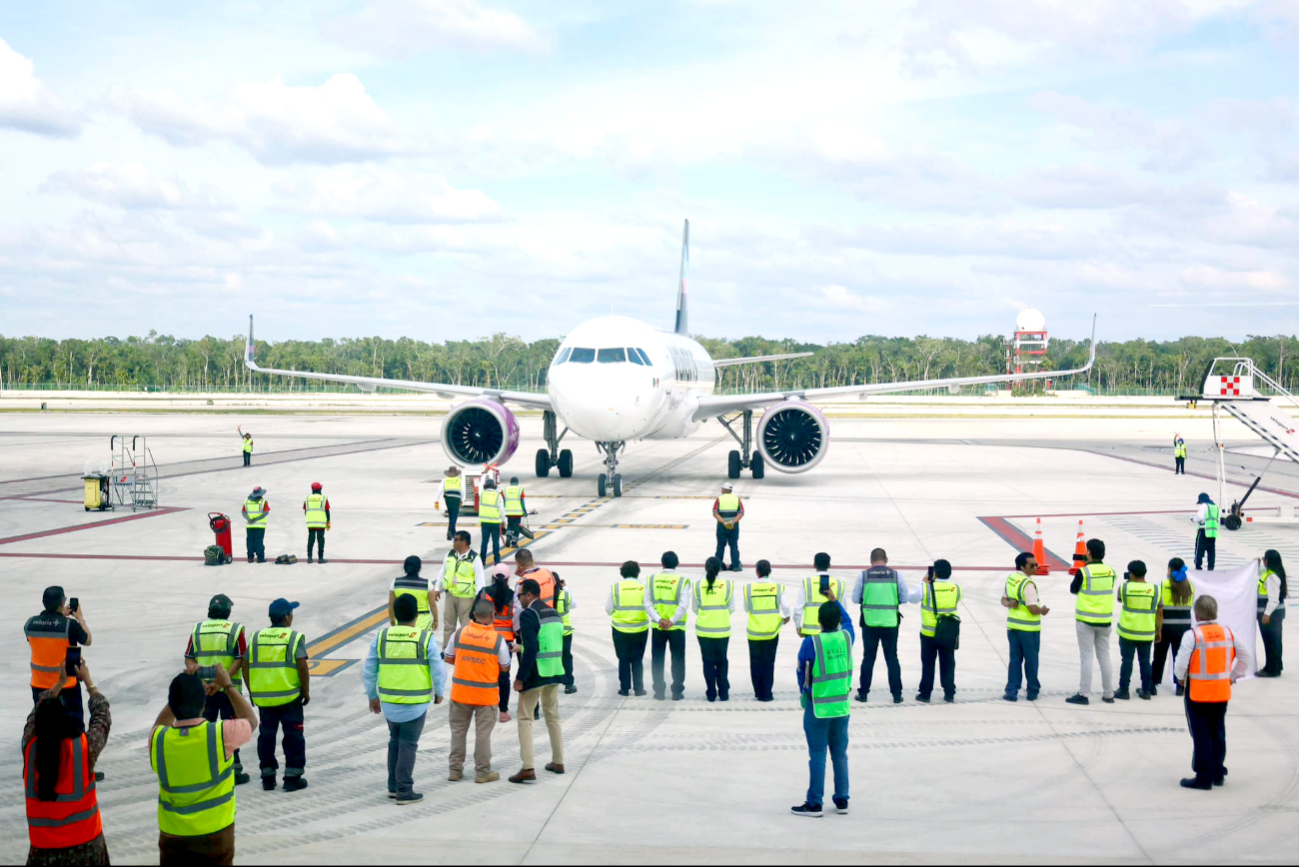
(1030, 320)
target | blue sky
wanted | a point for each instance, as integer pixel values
(453, 168)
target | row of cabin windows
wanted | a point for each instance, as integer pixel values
(614, 355)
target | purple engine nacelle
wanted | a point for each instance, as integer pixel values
(793, 436)
(480, 431)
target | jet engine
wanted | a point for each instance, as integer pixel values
(793, 436)
(480, 432)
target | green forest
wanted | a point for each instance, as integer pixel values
(166, 363)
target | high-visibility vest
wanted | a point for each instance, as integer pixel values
(215, 642)
(255, 512)
(503, 618)
(514, 501)
(564, 606)
(478, 666)
(1137, 619)
(413, 585)
(831, 674)
(452, 486)
(273, 666)
(1179, 450)
(762, 602)
(545, 580)
(248, 446)
(1095, 604)
(1211, 521)
(629, 614)
(728, 505)
(550, 643)
(489, 506)
(196, 782)
(1262, 591)
(404, 676)
(813, 600)
(49, 643)
(1021, 619)
(714, 617)
(939, 600)
(1176, 615)
(73, 818)
(315, 514)
(665, 593)
(458, 576)
(1212, 658)
(879, 597)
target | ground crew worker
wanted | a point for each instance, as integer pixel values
(460, 580)
(824, 684)
(1206, 538)
(765, 605)
(564, 608)
(401, 672)
(193, 759)
(541, 669)
(247, 443)
(1179, 455)
(516, 506)
(410, 582)
(49, 635)
(631, 620)
(490, 505)
(1209, 660)
(481, 655)
(880, 590)
(1176, 596)
(940, 597)
(1272, 594)
(280, 685)
(505, 612)
(714, 600)
(1023, 627)
(256, 510)
(1094, 614)
(667, 598)
(808, 596)
(219, 641)
(728, 511)
(526, 567)
(452, 490)
(316, 510)
(1140, 622)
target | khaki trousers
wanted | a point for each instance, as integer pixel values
(548, 696)
(455, 613)
(484, 719)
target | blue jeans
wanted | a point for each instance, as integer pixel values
(823, 734)
(1024, 648)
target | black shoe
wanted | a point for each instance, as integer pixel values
(806, 809)
(261, 559)
(766, 698)
(250, 559)
(725, 696)
(570, 689)
(1109, 700)
(1219, 781)
(711, 698)
(897, 699)
(308, 558)
(950, 699)
(920, 696)
(1005, 696)
(268, 783)
(841, 806)
(409, 798)
(241, 778)
(658, 696)
(737, 568)
(1192, 783)
(1143, 695)
(1078, 699)
(1154, 690)
(640, 693)
(625, 692)
(293, 784)
(449, 535)
(1032, 696)
(677, 696)
(1181, 690)
(1266, 673)
(860, 696)
(1122, 694)
(323, 560)
(99, 776)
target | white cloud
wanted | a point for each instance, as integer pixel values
(405, 195)
(411, 26)
(26, 103)
(1171, 144)
(132, 186)
(337, 121)
(841, 298)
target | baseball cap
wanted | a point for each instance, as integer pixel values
(316, 486)
(281, 607)
(220, 602)
(727, 486)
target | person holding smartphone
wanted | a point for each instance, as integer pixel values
(59, 626)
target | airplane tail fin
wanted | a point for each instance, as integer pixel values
(249, 361)
(683, 326)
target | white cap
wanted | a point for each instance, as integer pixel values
(727, 486)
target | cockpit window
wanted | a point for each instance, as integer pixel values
(643, 357)
(612, 356)
(582, 356)
(563, 355)
(633, 355)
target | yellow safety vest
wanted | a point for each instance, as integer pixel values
(665, 593)
(215, 642)
(315, 514)
(196, 782)
(1262, 589)
(762, 602)
(273, 677)
(1021, 619)
(248, 446)
(458, 577)
(813, 600)
(629, 613)
(714, 606)
(1176, 615)
(1095, 603)
(255, 513)
(404, 676)
(413, 585)
(564, 605)
(452, 486)
(1137, 619)
(939, 599)
(728, 505)
(514, 501)
(489, 507)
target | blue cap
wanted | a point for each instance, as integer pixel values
(1204, 498)
(282, 607)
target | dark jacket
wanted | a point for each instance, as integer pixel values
(529, 630)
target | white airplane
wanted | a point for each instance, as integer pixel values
(615, 380)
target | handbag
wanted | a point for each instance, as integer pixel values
(947, 632)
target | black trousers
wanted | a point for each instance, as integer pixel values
(72, 702)
(491, 533)
(729, 538)
(255, 541)
(1272, 639)
(289, 717)
(504, 683)
(676, 639)
(1208, 723)
(568, 659)
(1170, 638)
(514, 528)
(872, 638)
(1179, 466)
(1141, 650)
(931, 650)
(716, 666)
(630, 648)
(316, 536)
(248, 459)
(762, 667)
(453, 513)
(1203, 545)
(217, 707)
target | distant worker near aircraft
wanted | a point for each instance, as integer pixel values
(516, 507)
(315, 508)
(1179, 455)
(247, 440)
(728, 511)
(255, 511)
(453, 486)
(489, 521)
(1206, 538)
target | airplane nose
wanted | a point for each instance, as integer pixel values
(603, 402)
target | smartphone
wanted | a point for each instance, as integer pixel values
(72, 660)
(825, 584)
(207, 672)
(73, 604)
(1127, 576)
(931, 573)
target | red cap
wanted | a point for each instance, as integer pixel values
(315, 486)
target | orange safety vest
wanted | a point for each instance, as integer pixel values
(72, 819)
(49, 651)
(1211, 662)
(504, 620)
(478, 666)
(546, 579)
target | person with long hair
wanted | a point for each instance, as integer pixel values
(63, 822)
(1177, 596)
(1272, 593)
(505, 621)
(714, 600)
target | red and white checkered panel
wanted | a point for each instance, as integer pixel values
(1229, 386)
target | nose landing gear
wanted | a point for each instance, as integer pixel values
(738, 461)
(551, 456)
(610, 479)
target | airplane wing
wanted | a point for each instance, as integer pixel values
(715, 405)
(370, 383)
(756, 359)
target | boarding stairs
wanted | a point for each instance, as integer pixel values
(134, 478)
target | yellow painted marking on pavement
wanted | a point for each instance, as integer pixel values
(327, 667)
(325, 645)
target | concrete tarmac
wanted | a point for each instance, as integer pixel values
(980, 780)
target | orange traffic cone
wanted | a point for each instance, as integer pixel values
(1039, 550)
(1079, 551)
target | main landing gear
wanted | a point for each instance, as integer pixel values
(551, 456)
(610, 479)
(748, 459)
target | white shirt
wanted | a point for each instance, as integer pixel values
(479, 580)
(1202, 515)
(679, 616)
(1273, 594)
(1244, 662)
(502, 653)
(703, 582)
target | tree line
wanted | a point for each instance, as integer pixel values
(166, 363)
